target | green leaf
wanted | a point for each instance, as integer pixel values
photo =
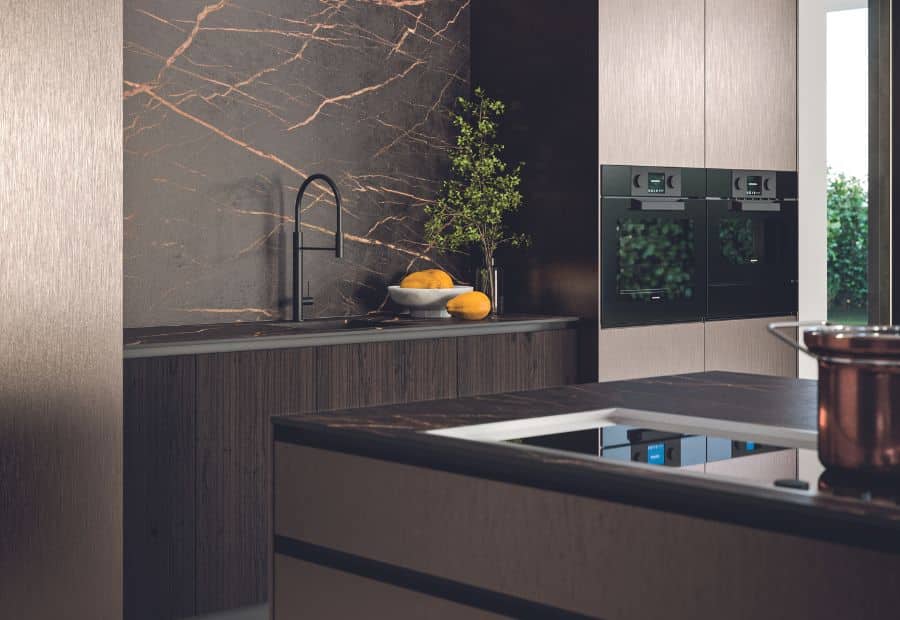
(482, 189)
(848, 232)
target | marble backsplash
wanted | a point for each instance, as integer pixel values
(229, 105)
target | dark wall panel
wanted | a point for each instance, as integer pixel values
(543, 64)
(228, 106)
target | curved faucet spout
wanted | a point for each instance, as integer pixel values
(299, 248)
(338, 236)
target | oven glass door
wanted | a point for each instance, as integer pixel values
(752, 258)
(653, 263)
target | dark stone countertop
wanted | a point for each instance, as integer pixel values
(197, 339)
(393, 433)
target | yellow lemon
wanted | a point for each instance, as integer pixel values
(472, 306)
(430, 278)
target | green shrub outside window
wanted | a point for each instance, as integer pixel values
(848, 235)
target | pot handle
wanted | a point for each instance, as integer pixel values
(795, 343)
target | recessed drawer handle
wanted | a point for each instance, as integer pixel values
(770, 207)
(658, 205)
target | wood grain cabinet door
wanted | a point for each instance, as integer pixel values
(751, 84)
(366, 375)
(651, 82)
(516, 362)
(236, 396)
(160, 478)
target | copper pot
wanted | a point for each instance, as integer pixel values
(859, 394)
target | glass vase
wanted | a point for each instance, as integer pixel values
(489, 281)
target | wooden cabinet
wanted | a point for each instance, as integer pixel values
(160, 479)
(197, 445)
(365, 375)
(516, 362)
(651, 82)
(698, 83)
(745, 345)
(651, 351)
(751, 84)
(237, 393)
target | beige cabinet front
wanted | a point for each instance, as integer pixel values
(751, 84)
(650, 351)
(651, 82)
(745, 345)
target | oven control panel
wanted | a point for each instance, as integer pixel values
(664, 182)
(652, 181)
(753, 184)
(767, 185)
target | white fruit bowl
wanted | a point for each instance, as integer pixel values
(426, 303)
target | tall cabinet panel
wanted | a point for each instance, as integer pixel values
(651, 82)
(751, 84)
(651, 351)
(745, 345)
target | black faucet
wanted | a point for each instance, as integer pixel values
(300, 301)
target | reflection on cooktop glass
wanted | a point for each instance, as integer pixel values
(723, 456)
(780, 459)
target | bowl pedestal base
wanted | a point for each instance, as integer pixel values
(422, 313)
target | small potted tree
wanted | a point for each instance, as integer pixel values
(481, 190)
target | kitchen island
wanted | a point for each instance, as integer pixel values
(373, 510)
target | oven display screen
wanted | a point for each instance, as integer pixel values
(656, 182)
(754, 186)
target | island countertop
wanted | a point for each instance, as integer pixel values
(161, 341)
(394, 433)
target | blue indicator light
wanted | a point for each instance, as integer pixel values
(750, 446)
(656, 454)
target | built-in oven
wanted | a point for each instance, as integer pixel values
(752, 243)
(653, 245)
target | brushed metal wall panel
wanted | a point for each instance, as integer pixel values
(651, 82)
(744, 345)
(751, 84)
(651, 351)
(61, 317)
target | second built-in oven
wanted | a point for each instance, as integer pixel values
(752, 243)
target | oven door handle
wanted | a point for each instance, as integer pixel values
(761, 207)
(658, 205)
